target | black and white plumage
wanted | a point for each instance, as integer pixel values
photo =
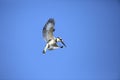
(51, 41)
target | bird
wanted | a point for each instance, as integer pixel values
(50, 39)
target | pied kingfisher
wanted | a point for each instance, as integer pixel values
(51, 41)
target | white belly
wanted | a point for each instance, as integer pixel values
(51, 42)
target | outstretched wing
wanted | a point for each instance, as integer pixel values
(48, 30)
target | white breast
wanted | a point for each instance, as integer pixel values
(52, 42)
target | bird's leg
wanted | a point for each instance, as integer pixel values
(44, 51)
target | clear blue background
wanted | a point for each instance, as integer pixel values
(90, 29)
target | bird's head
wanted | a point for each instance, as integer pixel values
(58, 39)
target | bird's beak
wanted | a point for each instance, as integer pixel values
(63, 43)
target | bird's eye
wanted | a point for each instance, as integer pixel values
(60, 39)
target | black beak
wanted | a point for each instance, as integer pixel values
(63, 43)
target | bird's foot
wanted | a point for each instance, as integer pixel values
(61, 46)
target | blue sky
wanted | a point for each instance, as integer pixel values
(90, 29)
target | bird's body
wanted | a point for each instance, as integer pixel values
(48, 30)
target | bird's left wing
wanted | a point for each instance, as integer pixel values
(48, 30)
